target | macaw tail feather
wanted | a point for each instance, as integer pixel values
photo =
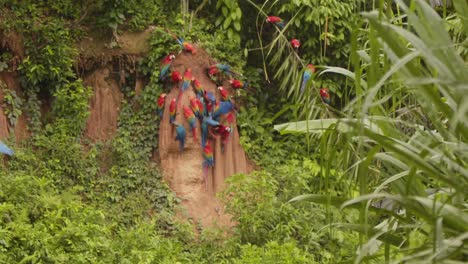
(280, 24)
(304, 82)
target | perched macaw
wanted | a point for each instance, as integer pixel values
(186, 84)
(202, 106)
(222, 108)
(166, 66)
(224, 93)
(295, 43)
(210, 96)
(161, 101)
(195, 106)
(172, 111)
(180, 135)
(176, 77)
(197, 87)
(325, 95)
(275, 20)
(224, 132)
(186, 46)
(238, 84)
(309, 71)
(208, 161)
(6, 150)
(190, 116)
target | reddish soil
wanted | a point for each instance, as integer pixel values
(104, 105)
(183, 171)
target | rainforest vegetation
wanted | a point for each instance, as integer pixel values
(378, 175)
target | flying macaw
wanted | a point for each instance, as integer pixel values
(6, 150)
(309, 71)
(195, 106)
(190, 116)
(172, 111)
(238, 84)
(208, 161)
(180, 135)
(224, 93)
(176, 77)
(166, 65)
(197, 87)
(185, 85)
(325, 95)
(295, 43)
(161, 101)
(186, 46)
(222, 108)
(275, 20)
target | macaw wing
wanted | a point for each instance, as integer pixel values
(6, 150)
(211, 122)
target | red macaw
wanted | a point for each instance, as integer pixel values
(176, 77)
(295, 43)
(197, 87)
(185, 85)
(208, 161)
(275, 20)
(161, 101)
(238, 84)
(166, 65)
(191, 120)
(325, 95)
(186, 46)
(194, 105)
(180, 135)
(172, 111)
(224, 93)
(309, 71)
(224, 132)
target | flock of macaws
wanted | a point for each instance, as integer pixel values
(310, 69)
(215, 117)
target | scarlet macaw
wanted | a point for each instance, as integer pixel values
(238, 84)
(295, 43)
(325, 95)
(176, 77)
(276, 20)
(197, 87)
(166, 65)
(208, 161)
(191, 120)
(180, 135)
(309, 71)
(186, 46)
(161, 101)
(194, 105)
(6, 150)
(185, 85)
(222, 108)
(224, 132)
(172, 111)
(224, 93)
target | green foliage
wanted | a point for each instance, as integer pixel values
(71, 106)
(273, 253)
(230, 18)
(12, 104)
